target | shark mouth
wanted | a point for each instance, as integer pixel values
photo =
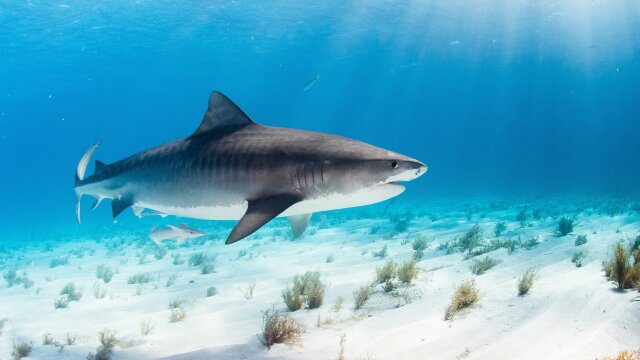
(406, 175)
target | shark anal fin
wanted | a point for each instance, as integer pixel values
(299, 223)
(119, 204)
(260, 212)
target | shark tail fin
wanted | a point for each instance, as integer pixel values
(78, 199)
(80, 171)
(84, 161)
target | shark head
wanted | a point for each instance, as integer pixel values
(363, 166)
(402, 169)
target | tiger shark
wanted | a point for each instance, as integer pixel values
(232, 168)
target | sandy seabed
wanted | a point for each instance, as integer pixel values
(570, 313)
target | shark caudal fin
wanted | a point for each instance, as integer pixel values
(80, 171)
(84, 161)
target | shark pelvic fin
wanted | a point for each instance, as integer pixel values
(137, 211)
(119, 204)
(84, 161)
(222, 117)
(299, 223)
(260, 212)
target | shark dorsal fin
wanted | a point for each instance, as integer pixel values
(99, 165)
(222, 116)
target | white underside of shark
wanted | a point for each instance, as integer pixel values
(236, 211)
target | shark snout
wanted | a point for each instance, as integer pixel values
(415, 169)
(420, 169)
(407, 170)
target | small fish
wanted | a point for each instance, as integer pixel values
(311, 82)
(408, 66)
(179, 233)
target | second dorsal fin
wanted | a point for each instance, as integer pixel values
(222, 116)
(99, 165)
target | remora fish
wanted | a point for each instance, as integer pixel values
(178, 233)
(151, 213)
(311, 82)
(233, 168)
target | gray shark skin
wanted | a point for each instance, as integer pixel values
(232, 168)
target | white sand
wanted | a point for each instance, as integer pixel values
(570, 313)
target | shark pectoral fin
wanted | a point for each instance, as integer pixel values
(260, 212)
(119, 204)
(180, 241)
(299, 223)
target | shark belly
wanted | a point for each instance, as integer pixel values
(337, 201)
(323, 202)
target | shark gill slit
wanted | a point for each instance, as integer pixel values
(298, 177)
(306, 175)
(313, 174)
(234, 169)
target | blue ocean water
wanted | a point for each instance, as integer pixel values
(501, 99)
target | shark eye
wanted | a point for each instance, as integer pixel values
(394, 164)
